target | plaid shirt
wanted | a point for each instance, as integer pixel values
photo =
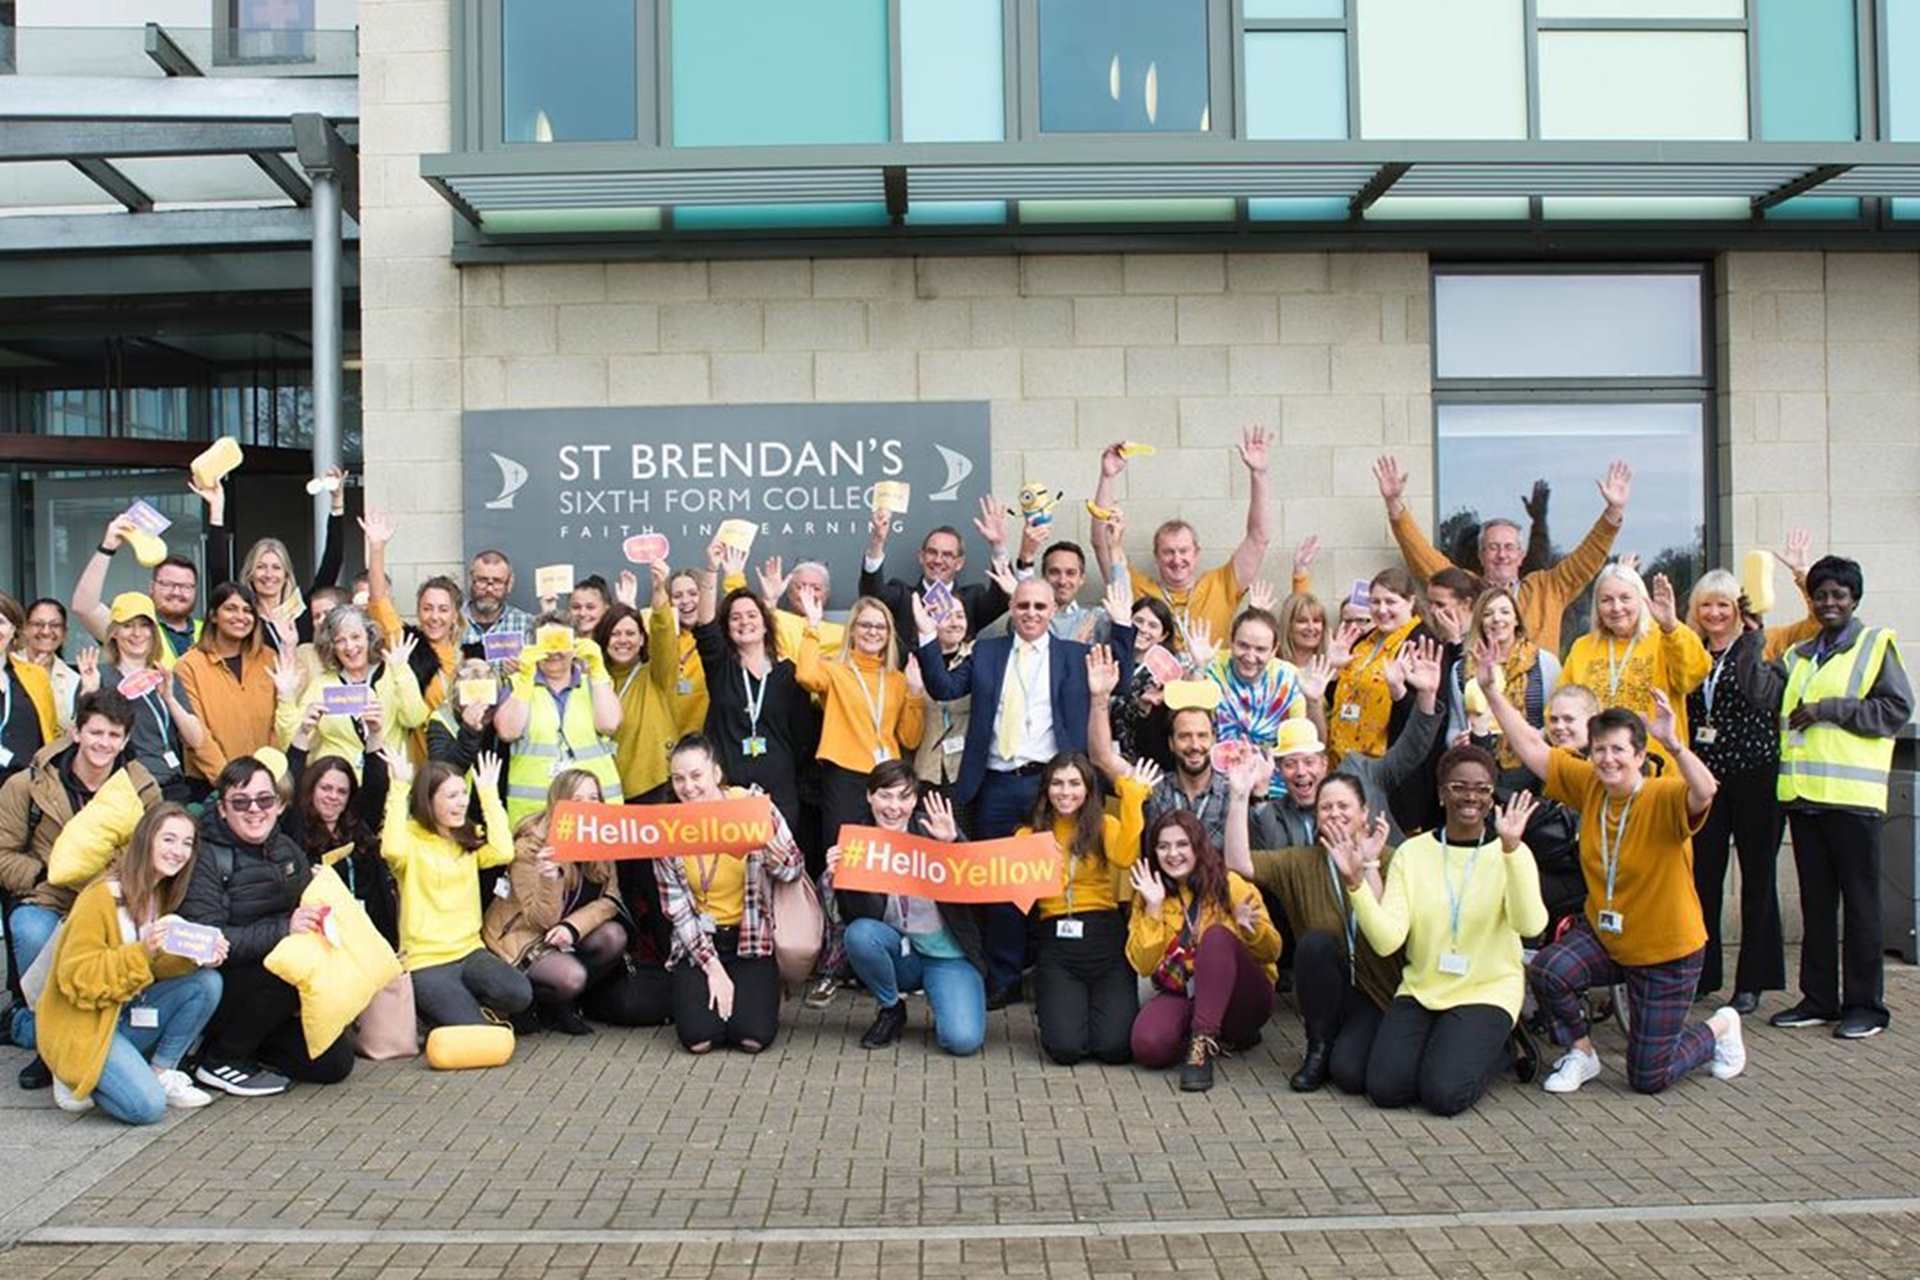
(780, 859)
(511, 618)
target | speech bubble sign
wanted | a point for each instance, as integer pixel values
(139, 684)
(1226, 755)
(199, 943)
(645, 548)
(502, 645)
(584, 832)
(738, 534)
(1162, 665)
(892, 496)
(553, 580)
(477, 691)
(346, 699)
(1360, 594)
(1018, 869)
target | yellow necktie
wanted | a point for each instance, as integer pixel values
(1013, 701)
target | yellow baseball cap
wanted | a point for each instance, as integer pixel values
(1298, 738)
(275, 761)
(129, 605)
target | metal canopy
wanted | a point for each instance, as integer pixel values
(586, 177)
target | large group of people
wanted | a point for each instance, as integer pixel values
(1446, 835)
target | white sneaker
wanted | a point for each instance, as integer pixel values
(63, 1098)
(1574, 1069)
(180, 1091)
(1729, 1046)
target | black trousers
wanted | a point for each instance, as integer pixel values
(1334, 1009)
(843, 800)
(756, 1001)
(1440, 1058)
(633, 995)
(1838, 857)
(1746, 815)
(258, 1021)
(1085, 993)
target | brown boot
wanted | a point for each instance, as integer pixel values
(1196, 1074)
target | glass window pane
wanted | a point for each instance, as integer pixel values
(1808, 90)
(538, 221)
(1664, 208)
(70, 510)
(1457, 70)
(1903, 71)
(1296, 84)
(1814, 207)
(772, 72)
(1298, 209)
(1489, 453)
(1643, 84)
(1284, 10)
(951, 63)
(1170, 209)
(731, 217)
(1730, 9)
(1567, 326)
(570, 80)
(1123, 66)
(1450, 208)
(952, 213)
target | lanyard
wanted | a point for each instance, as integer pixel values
(559, 697)
(1353, 924)
(6, 708)
(876, 707)
(1616, 670)
(160, 713)
(1712, 682)
(709, 867)
(628, 682)
(1457, 900)
(754, 701)
(1026, 687)
(1610, 847)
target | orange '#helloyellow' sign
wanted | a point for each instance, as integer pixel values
(1018, 869)
(584, 832)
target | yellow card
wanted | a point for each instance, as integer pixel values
(738, 534)
(332, 856)
(552, 580)
(478, 691)
(550, 640)
(891, 496)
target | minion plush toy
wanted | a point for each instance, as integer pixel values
(1037, 503)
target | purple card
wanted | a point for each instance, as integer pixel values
(502, 645)
(346, 699)
(938, 598)
(143, 516)
(199, 943)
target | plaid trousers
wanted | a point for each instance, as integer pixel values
(1661, 1046)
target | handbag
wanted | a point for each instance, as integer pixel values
(799, 924)
(388, 1027)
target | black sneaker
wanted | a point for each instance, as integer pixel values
(241, 1082)
(1858, 1026)
(1801, 1015)
(35, 1075)
(1196, 1073)
(887, 1026)
(1745, 1003)
(565, 1019)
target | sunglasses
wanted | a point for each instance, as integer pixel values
(247, 804)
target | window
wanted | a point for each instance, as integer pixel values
(952, 71)
(1124, 66)
(1457, 70)
(247, 32)
(1900, 82)
(1294, 67)
(772, 72)
(1549, 376)
(571, 80)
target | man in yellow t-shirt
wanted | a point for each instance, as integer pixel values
(1194, 597)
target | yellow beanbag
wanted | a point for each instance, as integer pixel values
(461, 1048)
(336, 979)
(94, 835)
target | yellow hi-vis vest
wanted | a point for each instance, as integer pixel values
(552, 745)
(1823, 763)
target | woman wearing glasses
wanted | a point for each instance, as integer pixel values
(871, 711)
(1460, 904)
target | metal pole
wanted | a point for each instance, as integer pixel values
(326, 342)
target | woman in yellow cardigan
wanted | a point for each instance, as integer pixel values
(119, 1011)
(437, 856)
(871, 711)
(1637, 645)
(1460, 904)
(347, 642)
(1360, 711)
(643, 657)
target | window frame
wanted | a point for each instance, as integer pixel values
(1243, 26)
(1222, 67)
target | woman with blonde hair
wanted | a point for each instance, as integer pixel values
(346, 643)
(267, 570)
(1304, 633)
(1529, 674)
(872, 712)
(1637, 647)
(164, 728)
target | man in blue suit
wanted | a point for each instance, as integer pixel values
(1029, 703)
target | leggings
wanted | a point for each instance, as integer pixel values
(1084, 991)
(1661, 1045)
(562, 977)
(1441, 1058)
(756, 1002)
(1228, 998)
(450, 994)
(1334, 1009)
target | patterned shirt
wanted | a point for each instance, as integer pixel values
(511, 619)
(1251, 710)
(780, 859)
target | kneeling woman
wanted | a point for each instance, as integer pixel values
(897, 943)
(726, 985)
(560, 924)
(1202, 934)
(119, 1013)
(1084, 994)
(437, 856)
(1460, 903)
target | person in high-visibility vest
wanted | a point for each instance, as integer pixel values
(560, 713)
(1841, 698)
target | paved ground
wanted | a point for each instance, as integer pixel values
(619, 1155)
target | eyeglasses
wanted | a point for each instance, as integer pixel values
(248, 804)
(1469, 790)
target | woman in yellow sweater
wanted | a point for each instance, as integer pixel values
(348, 643)
(1637, 645)
(1203, 936)
(437, 856)
(120, 1011)
(1360, 712)
(1460, 903)
(643, 657)
(1084, 993)
(871, 711)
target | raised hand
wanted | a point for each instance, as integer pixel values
(88, 665)
(1261, 595)
(733, 562)
(1000, 573)
(1255, 441)
(1243, 779)
(116, 533)
(1660, 725)
(879, 528)
(916, 685)
(1305, 553)
(1422, 662)
(337, 496)
(1032, 536)
(1083, 634)
(810, 608)
(288, 676)
(1116, 527)
(1372, 838)
(1147, 883)
(374, 719)
(1798, 554)
(399, 766)
(773, 583)
(991, 523)
(1616, 487)
(309, 723)
(923, 622)
(939, 817)
(1200, 645)
(1118, 602)
(1484, 669)
(1315, 676)
(1112, 461)
(378, 526)
(1535, 504)
(1391, 479)
(1146, 773)
(626, 589)
(1340, 648)
(1103, 672)
(1665, 610)
(1510, 823)
(401, 650)
(660, 575)
(1395, 672)
(716, 555)
(486, 770)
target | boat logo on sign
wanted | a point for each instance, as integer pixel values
(959, 467)
(513, 477)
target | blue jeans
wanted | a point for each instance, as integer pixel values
(954, 987)
(128, 1089)
(30, 927)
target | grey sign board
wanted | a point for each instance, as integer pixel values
(569, 486)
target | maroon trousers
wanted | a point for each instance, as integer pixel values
(1229, 998)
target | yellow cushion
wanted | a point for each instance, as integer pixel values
(460, 1048)
(336, 980)
(93, 836)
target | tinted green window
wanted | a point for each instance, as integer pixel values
(571, 80)
(1296, 84)
(951, 71)
(1123, 66)
(772, 72)
(1808, 90)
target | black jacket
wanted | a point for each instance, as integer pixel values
(247, 891)
(984, 602)
(961, 919)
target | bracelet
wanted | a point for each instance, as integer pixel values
(1371, 864)
(105, 550)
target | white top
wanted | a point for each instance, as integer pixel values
(1034, 659)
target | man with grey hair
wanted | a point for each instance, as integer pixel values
(1541, 596)
(808, 578)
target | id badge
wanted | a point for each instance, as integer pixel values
(755, 746)
(906, 945)
(1068, 927)
(171, 760)
(503, 888)
(1612, 922)
(707, 924)
(143, 1017)
(1350, 711)
(880, 755)
(1705, 735)
(683, 686)
(6, 757)
(953, 746)
(1453, 964)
